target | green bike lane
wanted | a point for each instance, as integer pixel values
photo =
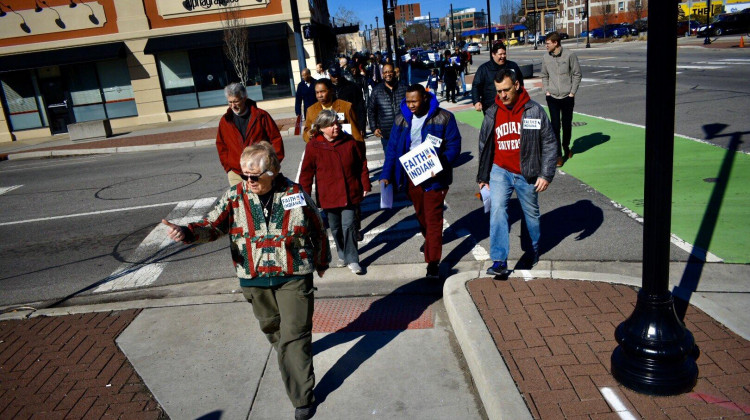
(710, 202)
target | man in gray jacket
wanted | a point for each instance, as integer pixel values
(517, 151)
(561, 76)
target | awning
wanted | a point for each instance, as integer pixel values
(62, 56)
(208, 39)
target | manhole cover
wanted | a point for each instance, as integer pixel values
(389, 313)
(578, 123)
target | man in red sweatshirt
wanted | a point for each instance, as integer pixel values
(243, 124)
(517, 152)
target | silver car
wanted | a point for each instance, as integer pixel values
(473, 48)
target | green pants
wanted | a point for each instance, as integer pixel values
(285, 316)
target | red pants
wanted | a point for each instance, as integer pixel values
(429, 208)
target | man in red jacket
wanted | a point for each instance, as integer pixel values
(243, 124)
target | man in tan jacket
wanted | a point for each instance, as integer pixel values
(326, 96)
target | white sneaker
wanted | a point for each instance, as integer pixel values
(356, 269)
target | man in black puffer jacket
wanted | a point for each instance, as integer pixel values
(350, 92)
(384, 104)
(483, 87)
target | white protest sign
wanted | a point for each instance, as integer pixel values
(346, 128)
(421, 163)
(293, 201)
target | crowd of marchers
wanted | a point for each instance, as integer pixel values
(278, 236)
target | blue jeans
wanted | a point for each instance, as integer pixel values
(502, 184)
(344, 231)
(463, 82)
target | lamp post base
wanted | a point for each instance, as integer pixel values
(656, 353)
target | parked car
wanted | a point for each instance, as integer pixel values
(427, 59)
(473, 48)
(632, 31)
(563, 35)
(583, 34)
(729, 23)
(610, 31)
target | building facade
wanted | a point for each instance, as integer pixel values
(464, 19)
(406, 13)
(136, 62)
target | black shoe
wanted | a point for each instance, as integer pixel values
(433, 270)
(305, 412)
(421, 249)
(499, 268)
(534, 258)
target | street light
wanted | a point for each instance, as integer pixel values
(588, 31)
(707, 41)
(377, 33)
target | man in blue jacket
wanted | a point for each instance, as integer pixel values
(421, 116)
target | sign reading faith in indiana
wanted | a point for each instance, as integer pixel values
(421, 163)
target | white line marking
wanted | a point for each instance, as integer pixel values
(299, 167)
(91, 213)
(68, 161)
(4, 190)
(616, 404)
(701, 67)
(372, 152)
(142, 270)
(676, 240)
(738, 60)
(526, 274)
(601, 71)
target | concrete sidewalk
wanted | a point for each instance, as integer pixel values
(537, 346)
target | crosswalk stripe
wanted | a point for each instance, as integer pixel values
(143, 268)
(4, 190)
(691, 67)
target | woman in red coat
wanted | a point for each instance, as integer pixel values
(339, 167)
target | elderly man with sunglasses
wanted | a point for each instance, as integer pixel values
(277, 240)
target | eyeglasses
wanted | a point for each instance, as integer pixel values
(256, 178)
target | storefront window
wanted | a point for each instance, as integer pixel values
(84, 93)
(21, 101)
(119, 99)
(196, 78)
(177, 79)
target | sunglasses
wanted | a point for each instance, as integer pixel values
(256, 178)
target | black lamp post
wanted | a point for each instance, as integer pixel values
(489, 26)
(453, 30)
(377, 33)
(429, 22)
(707, 40)
(588, 31)
(656, 353)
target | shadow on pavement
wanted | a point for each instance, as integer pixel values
(694, 268)
(582, 217)
(583, 144)
(401, 307)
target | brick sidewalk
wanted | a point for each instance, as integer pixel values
(557, 336)
(70, 367)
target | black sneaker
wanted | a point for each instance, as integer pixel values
(421, 249)
(305, 412)
(499, 268)
(534, 258)
(433, 270)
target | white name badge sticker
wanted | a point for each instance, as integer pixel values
(435, 140)
(532, 124)
(340, 116)
(293, 201)
(346, 128)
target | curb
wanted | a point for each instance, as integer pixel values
(107, 150)
(495, 385)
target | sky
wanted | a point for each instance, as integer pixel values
(368, 9)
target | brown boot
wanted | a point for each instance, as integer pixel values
(560, 162)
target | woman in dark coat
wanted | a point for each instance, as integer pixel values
(339, 167)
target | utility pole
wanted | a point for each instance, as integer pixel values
(588, 31)
(386, 24)
(377, 33)
(489, 26)
(429, 21)
(453, 30)
(395, 34)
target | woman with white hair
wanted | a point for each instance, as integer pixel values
(342, 180)
(278, 240)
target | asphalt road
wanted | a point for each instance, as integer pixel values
(86, 225)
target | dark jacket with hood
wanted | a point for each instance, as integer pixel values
(539, 147)
(484, 82)
(230, 142)
(384, 105)
(439, 123)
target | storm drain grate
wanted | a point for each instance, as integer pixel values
(389, 313)
(577, 123)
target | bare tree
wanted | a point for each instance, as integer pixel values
(236, 41)
(416, 34)
(346, 16)
(606, 10)
(637, 8)
(508, 10)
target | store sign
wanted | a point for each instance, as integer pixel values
(176, 9)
